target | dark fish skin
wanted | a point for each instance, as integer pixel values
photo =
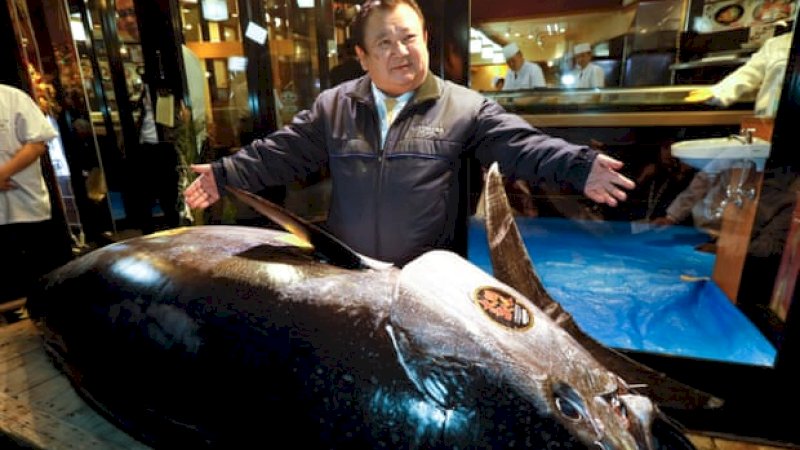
(235, 337)
(230, 337)
(241, 343)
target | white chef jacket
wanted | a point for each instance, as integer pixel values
(528, 76)
(21, 122)
(764, 71)
(591, 76)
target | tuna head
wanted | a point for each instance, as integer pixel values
(450, 316)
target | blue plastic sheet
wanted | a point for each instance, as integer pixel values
(640, 290)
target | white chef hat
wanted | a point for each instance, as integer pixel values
(583, 47)
(510, 50)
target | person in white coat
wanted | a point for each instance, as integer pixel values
(25, 209)
(589, 74)
(521, 74)
(764, 72)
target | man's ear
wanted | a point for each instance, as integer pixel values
(362, 57)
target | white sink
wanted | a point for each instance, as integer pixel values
(716, 154)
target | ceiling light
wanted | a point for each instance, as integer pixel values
(475, 45)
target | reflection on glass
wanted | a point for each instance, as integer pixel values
(295, 61)
(217, 40)
(634, 276)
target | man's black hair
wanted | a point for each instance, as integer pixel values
(368, 8)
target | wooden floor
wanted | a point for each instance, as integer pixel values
(40, 409)
(38, 406)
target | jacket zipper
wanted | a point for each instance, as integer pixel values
(381, 161)
(379, 184)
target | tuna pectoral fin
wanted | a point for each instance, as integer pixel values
(326, 245)
(512, 265)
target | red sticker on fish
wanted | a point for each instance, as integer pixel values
(502, 307)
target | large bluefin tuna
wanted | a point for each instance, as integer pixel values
(236, 337)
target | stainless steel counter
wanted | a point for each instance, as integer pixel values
(619, 107)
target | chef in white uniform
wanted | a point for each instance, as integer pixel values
(521, 74)
(589, 74)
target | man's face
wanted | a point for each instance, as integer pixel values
(396, 53)
(582, 59)
(515, 62)
(126, 21)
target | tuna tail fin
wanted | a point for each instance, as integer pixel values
(512, 265)
(325, 244)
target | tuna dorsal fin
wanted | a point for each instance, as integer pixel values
(325, 244)
(512, 265)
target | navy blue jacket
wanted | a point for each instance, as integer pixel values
(396, 202)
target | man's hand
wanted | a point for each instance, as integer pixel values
(203, 191)
(605, 184)
(7, 184)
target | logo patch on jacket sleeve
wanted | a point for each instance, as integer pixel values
(502, 307)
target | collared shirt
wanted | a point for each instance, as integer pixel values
(528, 76)
(764, 71)
(22, 122)
(380, 102)
(591, 76)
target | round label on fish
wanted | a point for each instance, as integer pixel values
(502, 307)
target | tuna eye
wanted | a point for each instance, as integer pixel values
(568, 409)
(568, 402)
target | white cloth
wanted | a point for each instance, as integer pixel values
(529, 76)
(148, 133)
(764, 71)
(591, 76)
(583, 47)
(380, 102)
(22, 122)
(510, 50)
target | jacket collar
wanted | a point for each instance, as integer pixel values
(430, 89)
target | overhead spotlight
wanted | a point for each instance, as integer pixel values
(475, 45)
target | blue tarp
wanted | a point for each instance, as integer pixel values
(647, 290)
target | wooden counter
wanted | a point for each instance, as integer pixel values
(638, 119)
(653, 106)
